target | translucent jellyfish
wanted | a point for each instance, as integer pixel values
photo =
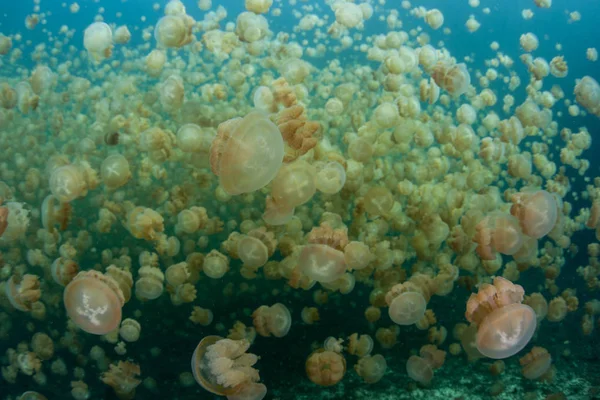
(325, 368)
(115, 171)
(252, 251)
(408, 308)
(247, 153)
(215, 265)
(322, 263)
(348, 15)
(378, 201)
(173, 30)
(537, 212)
(498, 232)
(277, 214)
(29, 395)
(505, 325)
(97, 40)
(14, 219)
(535, 363)
(421, 368)
(94, 301)
(54, 213)
(63, 270)
(331, 178)
(222, 367)
(357, 255)
(506, 331)
(434, 18)
(454, 78)
(295, 184)
(587, 93)
(275, 320)
(371, 368)
(67, 183)
(23, 292)
(149, 285)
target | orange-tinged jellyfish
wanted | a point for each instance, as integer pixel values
(94, 301)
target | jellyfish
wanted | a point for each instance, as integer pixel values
(223, 367)
(505, 326)
(94, 301)
(325, 368)
(247, 153)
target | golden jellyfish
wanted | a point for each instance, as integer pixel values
(421, 368)
(535, 363)
(97, 40)
(357, 255)
(407, 308)
(193, 139)
(247, 153)
(322, 263)
(360, 346)
(587, 93)
(330, 178)
(174, 31)
(122, 35)
(5, 44)
(122, 377)
(215, 264)
(277, 214)
(94, 301)
(63, 270)
(252, 251)
(378, 201)
(434, 18)
(275, 320)
(3, 219)
(55, 213)
(295, 184)
(223, 367)
(67, 183)
(537, 212)
(505, 326)
(23, 292)
(455, 79)
(498, 232)
(149, 285)
(258, 6)
(130, 330)
(371, 368)
(325, 368)
(115, 171)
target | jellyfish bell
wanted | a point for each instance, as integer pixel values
(277, 214)
(419, 370)
(408, 308)
(331, 178)
(247, 153)
(97, 40)
(322, 263)
(537, 212)
(200, 370)
(506, 331)
(252, 251)
(94, 301)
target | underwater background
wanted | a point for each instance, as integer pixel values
(36, 143)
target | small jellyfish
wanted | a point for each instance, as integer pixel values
(275, 320)
(331, 178)
(325, 368)
(94, 301)
(252, 251)
(408, 308)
